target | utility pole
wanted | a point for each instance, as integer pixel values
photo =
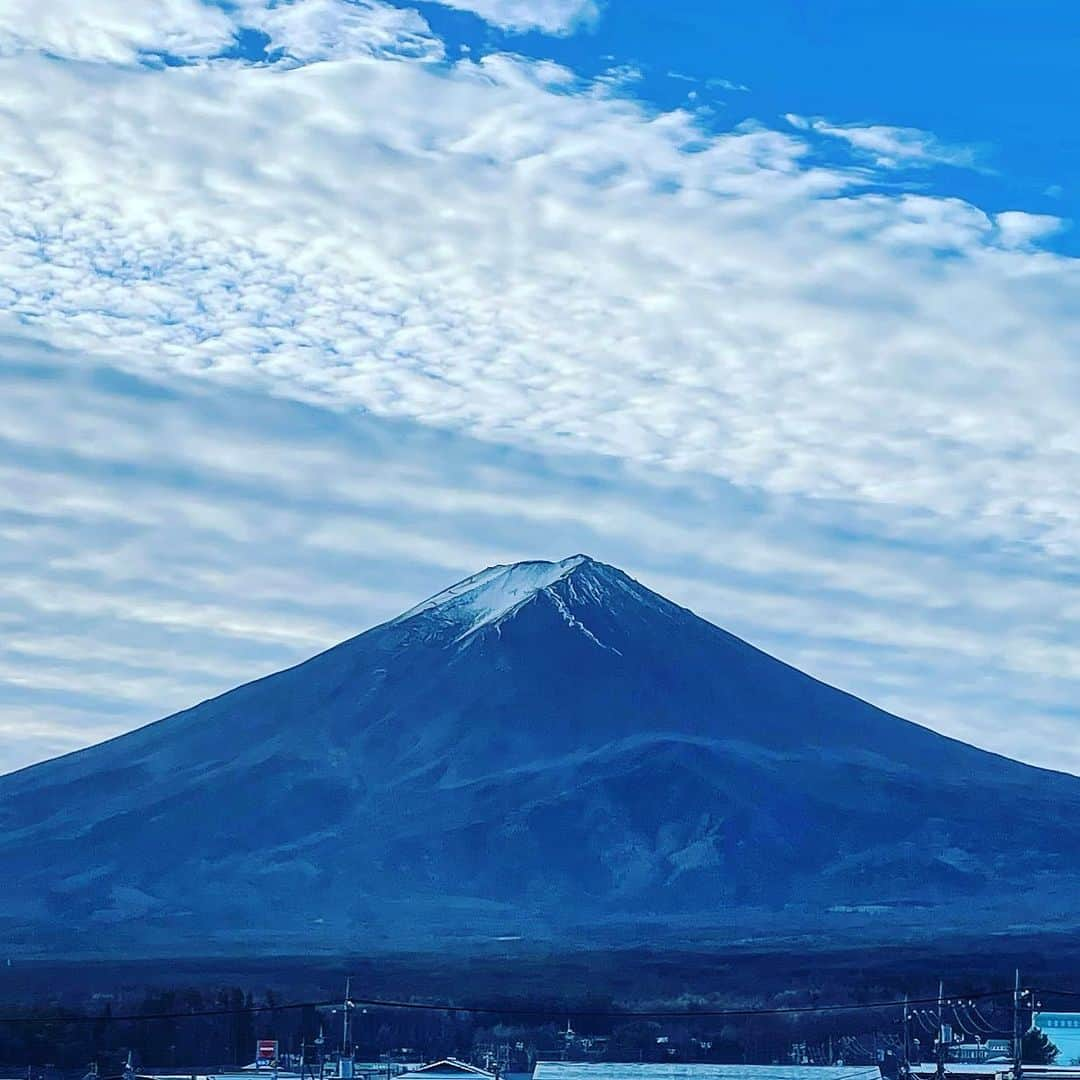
(905, 1065)
(939, 1072)
(345, 1058)
(346, 1041)
(1018, 1055)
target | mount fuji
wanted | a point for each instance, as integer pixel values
(549, 751)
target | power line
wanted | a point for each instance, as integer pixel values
(859, 1047)
(960, 1024)
(108, 1018)
(990, 1029)
(978, 1023)
(490, 1010)
(661, 1014)
(923, 1022)
(970, 1026)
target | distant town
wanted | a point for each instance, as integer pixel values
(233, 1036)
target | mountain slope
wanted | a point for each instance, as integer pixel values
(542, 749)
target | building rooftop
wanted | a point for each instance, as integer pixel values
(966, 1068)
(448, 1067)
(605, 1070)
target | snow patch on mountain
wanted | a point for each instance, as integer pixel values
(490, 595)
(577, 624)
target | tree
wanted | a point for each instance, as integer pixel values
(1037, 1049)
(635, 1041)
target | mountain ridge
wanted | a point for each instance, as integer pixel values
(542, 745)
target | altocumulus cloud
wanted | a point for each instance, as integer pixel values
(497, 254)
(161, 542)
(543, 263)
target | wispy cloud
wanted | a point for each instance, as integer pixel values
(549, 16)
(162, 542)
(726, 84)
(890, 147)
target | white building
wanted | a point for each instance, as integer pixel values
(608, 1070)
(1063, 1030)
(447, 1069)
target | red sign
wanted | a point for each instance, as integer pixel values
(267, 1050)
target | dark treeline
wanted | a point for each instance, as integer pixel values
(72, 1038)
(564, 987)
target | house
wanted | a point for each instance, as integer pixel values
(964, 1070)
(1051, 1072)
(447, 1069)
(995, 1050)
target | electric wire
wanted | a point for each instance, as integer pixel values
(507, 1009)
(976, 1027)
(920, 1015)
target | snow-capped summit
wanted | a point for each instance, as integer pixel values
(486, 597)
(546, 749)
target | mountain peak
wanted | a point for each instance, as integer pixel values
(593, 763)
(491, 594)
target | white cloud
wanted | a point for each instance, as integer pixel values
(550, 16)
(32, 732)
(117, 31)
(727, 84)
(120, 32)
(162, 542)
(545, 265)
(890, 147)
(309, 30)
(1019, 229)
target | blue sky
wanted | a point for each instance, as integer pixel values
(998, 80)
(310, 308)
